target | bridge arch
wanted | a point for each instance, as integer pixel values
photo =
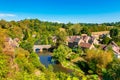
(40, 47)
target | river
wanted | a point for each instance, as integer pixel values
(46, 59)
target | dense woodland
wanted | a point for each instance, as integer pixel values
(25, 65)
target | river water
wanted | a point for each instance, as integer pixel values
(46, 59)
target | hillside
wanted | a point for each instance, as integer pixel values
(19, 62)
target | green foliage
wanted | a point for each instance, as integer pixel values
(85, 31)
(63, 76)
(77, 50)
(116, 39)
(106, 40)
(113, 70)
(24, 76)
(61, 37)
(98, 59)
(92, 77)
(61, 53)
(114, 32)
(26, 36)
(27, 46)
(75, 29)
(4, 65)
(25, 65)
(29, 66)
(34, 59)
(73, 56)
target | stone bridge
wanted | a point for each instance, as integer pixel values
(40, 47)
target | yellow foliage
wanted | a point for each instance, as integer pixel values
(21, 53)
(3, 35)
(102, 57)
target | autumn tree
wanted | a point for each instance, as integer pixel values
(98, 59)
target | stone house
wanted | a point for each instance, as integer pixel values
(73, 41)
(114, 47)
(86, 45)
(82, 41)
(10, 45)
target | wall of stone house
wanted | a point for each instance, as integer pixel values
(95, 42)
(70, 44)
(92, 47)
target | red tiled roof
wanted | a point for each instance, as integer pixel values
(85, 38)
(7, 39)
(85, 45)
(72, 38)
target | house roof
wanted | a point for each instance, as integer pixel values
(116, 49)
(114, 44)
(77, 39)
(16, 39)
(73, 38)
(85, 38)
(7, 39)
(85, 45)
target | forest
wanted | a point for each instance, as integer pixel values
(21, 63)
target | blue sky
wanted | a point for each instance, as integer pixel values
(83, 11)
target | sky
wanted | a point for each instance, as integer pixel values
(75, 11)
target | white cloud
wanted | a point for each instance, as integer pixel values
(56, 21)
(51, 21)
(7, 15)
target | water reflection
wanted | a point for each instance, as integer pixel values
(46, 59)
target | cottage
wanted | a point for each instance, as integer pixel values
(86, 45)
(10, 45)
(114, 47)
(85, 39)
(116, 51)
(73, 41)
(93, 40)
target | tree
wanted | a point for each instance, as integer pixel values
(85, 31)
(106, 40)
(3, 35)
(113, 71)
(27, 46)
(34, 59)
(4, 66)
(61, 37)
(98, 60)
(114, 32)
(61, 53)
(76, 29)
